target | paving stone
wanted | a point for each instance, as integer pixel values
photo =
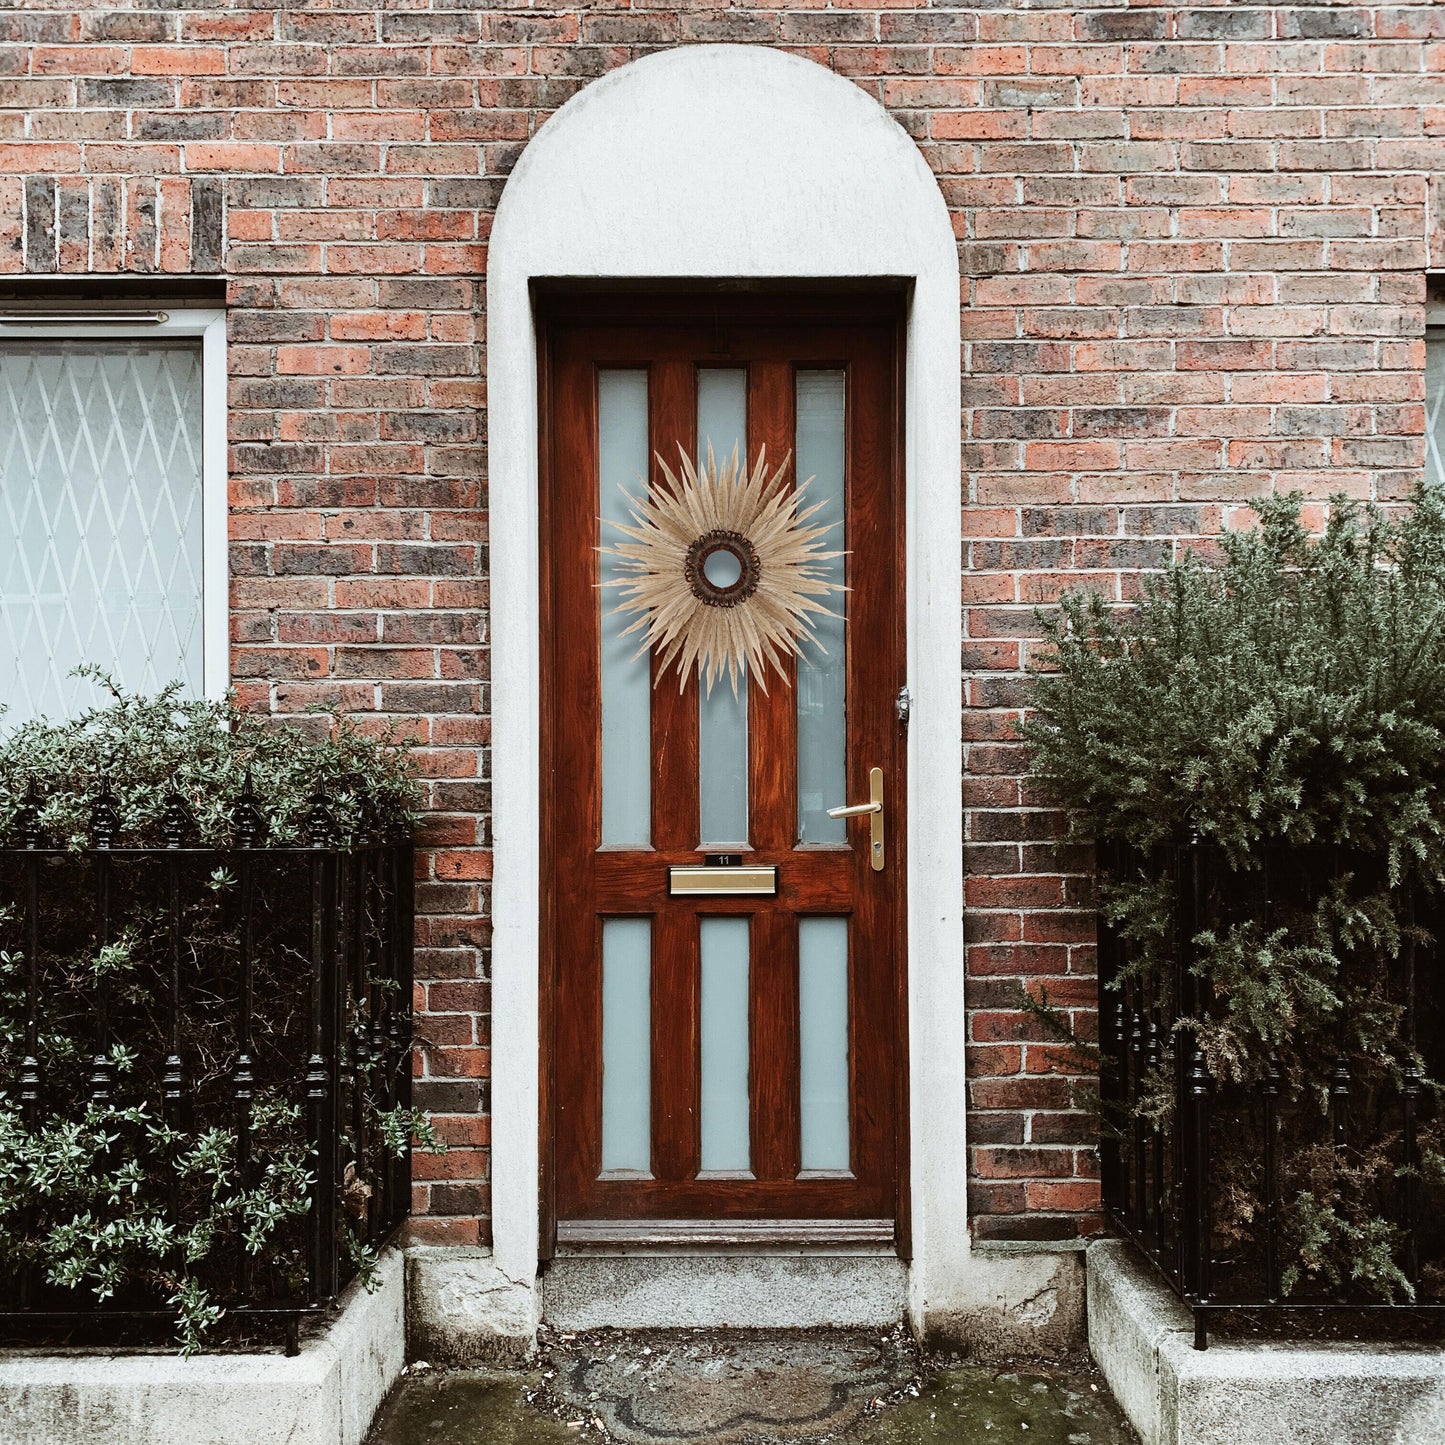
(729, 1388)
(467, 1407)
(747, 1388)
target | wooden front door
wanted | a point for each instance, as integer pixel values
(722, 1055)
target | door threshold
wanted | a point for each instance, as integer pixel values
(725, 1236)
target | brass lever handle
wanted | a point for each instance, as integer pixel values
(873, 809)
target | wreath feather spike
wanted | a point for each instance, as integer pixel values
(751, 625)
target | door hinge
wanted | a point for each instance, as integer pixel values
(903, 705)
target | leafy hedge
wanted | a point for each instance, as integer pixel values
(1288, 696)
(112, 1201)
(147, 746)
(1293, 693)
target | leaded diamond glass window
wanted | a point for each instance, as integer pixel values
(1435, 406)
(100, 519)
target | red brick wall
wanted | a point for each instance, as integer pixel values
(1194, 243)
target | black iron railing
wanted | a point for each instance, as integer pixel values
(1204, 1174)
(256, 1000)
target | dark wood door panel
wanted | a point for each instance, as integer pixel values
(585, 884)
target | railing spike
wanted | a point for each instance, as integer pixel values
(29, 814)
(1340, 1083)
(175, 819)
(247, 823)
(104, 815)
(320, 819)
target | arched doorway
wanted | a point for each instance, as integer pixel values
(719, 164)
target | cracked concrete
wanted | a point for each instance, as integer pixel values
(461, 1307)
(1023, 1300)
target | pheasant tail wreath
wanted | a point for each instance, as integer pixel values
(776, 580)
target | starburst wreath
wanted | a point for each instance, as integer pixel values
(758, 620)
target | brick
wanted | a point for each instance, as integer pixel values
(127, 93)
(232, 156)
(322, 360)
(125, 27)
(1006, 1163)
(177, 60)
(40, 224)
(12, 224)
(328, 560)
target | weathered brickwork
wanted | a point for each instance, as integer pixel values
(1194, 242)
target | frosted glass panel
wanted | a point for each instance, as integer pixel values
(722, 422)
(725, 1044)
(722, 747)
(100, 519)
(1435, 407)
(627, 1044)
(626, 679)
(823, 1020)
(722, 412)
(822, 674)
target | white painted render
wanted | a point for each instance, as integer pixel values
(734, 161)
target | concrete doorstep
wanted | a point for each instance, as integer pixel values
(1254, 1393)
(326, 1395)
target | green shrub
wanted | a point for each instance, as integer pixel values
(1284, 700)
(1293, 693)
(145, 746)
(112, 1199)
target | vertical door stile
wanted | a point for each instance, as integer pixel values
(676, 1002)
(772, 718)
(870, 744)
(576, 781)
(772, 721)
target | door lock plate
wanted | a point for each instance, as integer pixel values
(873, 811)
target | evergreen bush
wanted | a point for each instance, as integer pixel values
(147, 746)
(111, 1201)
(1286, 700)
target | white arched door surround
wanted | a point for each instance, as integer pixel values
(734, 161)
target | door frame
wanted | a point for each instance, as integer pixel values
(673, 303)
(643, 175)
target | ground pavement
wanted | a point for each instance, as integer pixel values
(748, 1387)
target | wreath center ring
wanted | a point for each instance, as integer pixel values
(707, 582)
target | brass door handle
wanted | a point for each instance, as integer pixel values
(873, 809)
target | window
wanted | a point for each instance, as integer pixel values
(112, 505)
(1435, 381)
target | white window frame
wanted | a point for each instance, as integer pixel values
(1434, 337)
(208, 323)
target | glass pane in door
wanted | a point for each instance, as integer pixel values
(725, 1143)
(626, 1045)
(626, 673)
(722, 742)
(823, 1021)
(822, 669)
